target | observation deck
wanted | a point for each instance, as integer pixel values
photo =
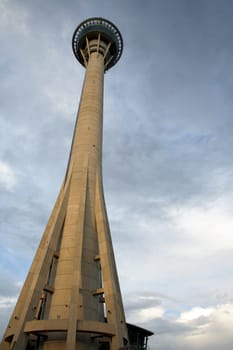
(97, 35)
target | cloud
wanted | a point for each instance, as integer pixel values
(145, 306)
(213, 327)
(7, 176)
(9, 291)
(194, 314)
(7, 303)
(208, 227)
(12, 14)
(148, 314)
(196, 328)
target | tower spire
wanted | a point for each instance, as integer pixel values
(71, 298)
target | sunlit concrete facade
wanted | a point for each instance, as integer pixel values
(71, 298)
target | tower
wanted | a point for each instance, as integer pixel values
(71, 298)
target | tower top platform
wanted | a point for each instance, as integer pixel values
(100, 30)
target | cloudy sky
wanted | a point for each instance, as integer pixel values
(168, 147)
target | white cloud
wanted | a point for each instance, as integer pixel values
(198, 328)
(150, 313)
(146, 314)
(211, 326)
(7, 302)
(206, 230)
(7, 176)
(19, 284)
(195, 313)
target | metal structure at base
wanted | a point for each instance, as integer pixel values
(71, 299)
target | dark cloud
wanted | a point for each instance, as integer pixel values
(142, 300)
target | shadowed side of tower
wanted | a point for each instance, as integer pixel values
(71, 298)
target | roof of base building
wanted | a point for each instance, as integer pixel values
(138, 329)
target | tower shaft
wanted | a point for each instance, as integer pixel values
(71, 298)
